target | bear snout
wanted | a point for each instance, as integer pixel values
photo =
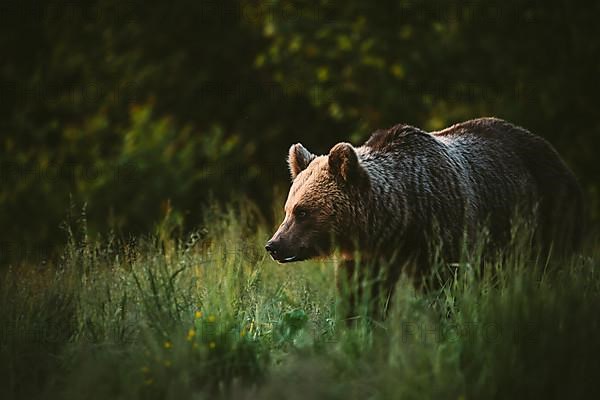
(278, 252)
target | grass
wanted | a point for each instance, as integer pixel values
(211, 316)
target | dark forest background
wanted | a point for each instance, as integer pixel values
(127, 109)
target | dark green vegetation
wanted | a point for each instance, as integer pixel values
(126, 106)
(211, 316)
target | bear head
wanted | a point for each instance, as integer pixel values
(323, 204)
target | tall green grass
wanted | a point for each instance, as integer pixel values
(209, 315)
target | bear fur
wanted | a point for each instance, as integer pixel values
(407, 193)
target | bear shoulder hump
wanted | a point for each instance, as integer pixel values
(384, 139)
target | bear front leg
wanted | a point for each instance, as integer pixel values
(349, 290)
(364, 292)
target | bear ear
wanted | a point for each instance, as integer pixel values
(298, 159)
(343, 163)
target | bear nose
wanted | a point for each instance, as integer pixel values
(270, 247)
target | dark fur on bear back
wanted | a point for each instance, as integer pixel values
(477, 174)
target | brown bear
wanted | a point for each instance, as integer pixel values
(407, 193)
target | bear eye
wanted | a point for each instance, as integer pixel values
(300, 213)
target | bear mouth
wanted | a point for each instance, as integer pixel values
(289, 259)
(301, 254)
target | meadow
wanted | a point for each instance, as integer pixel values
(210, 315)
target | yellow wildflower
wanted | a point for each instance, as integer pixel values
(198, 314)
(190, 335)
(212, 345)
(211, 318)
(168, 345)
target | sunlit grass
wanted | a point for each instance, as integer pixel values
(210, 315)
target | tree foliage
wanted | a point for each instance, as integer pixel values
(134, 108)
